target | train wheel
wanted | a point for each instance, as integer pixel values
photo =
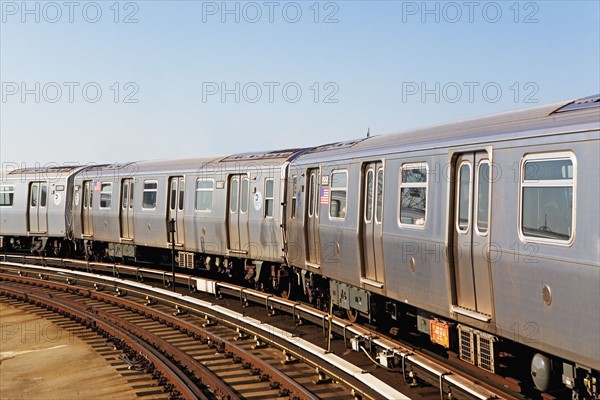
(285, 289)
(285, 286)
(352, 315)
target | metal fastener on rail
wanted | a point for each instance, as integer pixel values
(241, 335)
(209, 321)
(442, 383)
(404, 355)
(296, 316)
(321, 377)
(288, 358)
(259, 344)
(243, 301)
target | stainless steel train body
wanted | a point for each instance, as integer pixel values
(490, 223)
(229, 207)
(35, 205)
(483, 230)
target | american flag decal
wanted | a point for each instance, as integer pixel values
(324, 196)
(97, 186)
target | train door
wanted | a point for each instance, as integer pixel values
(38, 207)
(313, 205)
(126, 210)
(237, 216)
(472, 187)
(87, 224)
(372, 218)
(175, 208)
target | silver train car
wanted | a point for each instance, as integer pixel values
(35, 208)
(220, 213)
(486, 229)
(479, 236)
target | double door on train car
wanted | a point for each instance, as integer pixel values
(87, 222)
(371, 234)
(37, 215)
(175, 208)
(311, 225)
(126, 210)
(472, 275)
(237, 214)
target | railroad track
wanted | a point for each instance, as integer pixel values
(183, 356)
(413, 367)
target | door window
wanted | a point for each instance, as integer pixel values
(34, 195)
(464, 191)
(369, 196)
(233, 195)
(44, 195)
(483, 196)
(379, 197)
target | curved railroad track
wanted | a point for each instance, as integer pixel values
(408, 366)
(187, 359)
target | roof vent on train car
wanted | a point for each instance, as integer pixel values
(260, 155)
(580, 104)
(42, 169)
(337, 145)
(116, 165)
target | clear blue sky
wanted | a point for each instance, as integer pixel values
(185, 79)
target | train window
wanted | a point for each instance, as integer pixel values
(311, 196)
(483, 195)
(244, 195)
(149, 194)
(233, 195)
(369, 196)
(379, 196)
(294, 194)
(105, 194)
(269, 198)
(44, 195)
(204, 194)
(173, 198)
(34, 195)
(547, 197)
(413, 195)
(131, 196)
(125, 195)
(181, 193)
(464, 192)
(86, 194)
(7, 194)
(339, 193)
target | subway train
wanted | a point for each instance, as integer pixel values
(481, 236)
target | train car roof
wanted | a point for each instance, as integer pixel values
(279, 155)
(189, 165)
(579, 114)
(45, 170)
(195, 164)
(40, 172)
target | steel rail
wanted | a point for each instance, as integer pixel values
(181, 385)
(279, 379)
(434, 371)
